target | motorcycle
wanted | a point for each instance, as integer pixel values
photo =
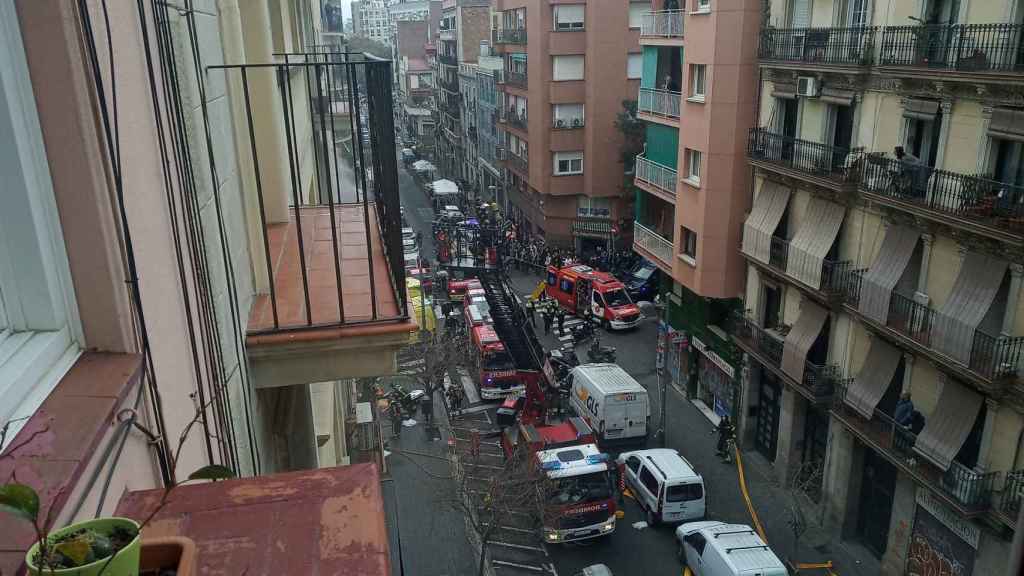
(598, 353)
(563, 360)
(582, 333)
(406, 401)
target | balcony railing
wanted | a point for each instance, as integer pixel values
(509, 35)
(1013, 490)
(517, 79)
(656, 175)
(448, 59)
(662, 24)
(334, 218)
(831, 46)
(838, 165)
(653, 243)
(659, 102)
(818, 381)
(517, 163)
(992, 357)
(974, 198)
(969, 491)
(963, 47)
(834, 273)
(514, 118)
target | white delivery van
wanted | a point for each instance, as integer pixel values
(720, 549)
(611, 401)
(665, 484)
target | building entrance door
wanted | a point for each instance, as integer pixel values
(766, 431)
(877, 487)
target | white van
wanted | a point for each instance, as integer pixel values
(665, 484)
(720, 549)
(611, 401)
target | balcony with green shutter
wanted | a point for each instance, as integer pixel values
(660, 98)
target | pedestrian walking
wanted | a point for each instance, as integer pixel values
(455, 399)
(726, 432)
(561, 322)
(547, 321)
(395, 412)
(427, 407)
(529, 312)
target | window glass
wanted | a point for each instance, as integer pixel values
(567, 115)
(693, 166)
(1009, 163)
(648, 480)
(568, 163)
(697, 80)
(705, 5)
(635, 66)
(633, 462)
(636, 13)
(697, 541)
(684, 492)
(551, 278)
(568, 17)
(567, 285)
(689, 246)
(567, 67)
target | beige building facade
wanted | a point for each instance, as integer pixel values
(882, 331)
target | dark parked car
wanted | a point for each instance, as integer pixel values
(642, 282)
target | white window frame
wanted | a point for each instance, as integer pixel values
(585, 207)
(632, 58)
(701, 7)
(694, 158)
(41, 336)
(698, 82)
(555, 67)
(636, 14)
(569, 25)
(569, 157)
(557, 114)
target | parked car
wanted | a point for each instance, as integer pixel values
(451, 213)
(718, 549)
(642, 282)
(665, 485)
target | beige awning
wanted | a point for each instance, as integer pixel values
(921, 109)
(837, 96)
(801, 337)
(972, 295)
(764, 218)
(813, 241)
(885, 272)
(949, 423)
(1007, 123)
(784, 90)
(874, 379)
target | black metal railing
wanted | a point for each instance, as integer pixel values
(971, 491)
(840, 165)
(517, 79)
(966, 196)
(448, 59)
(834, 46)
(509, 35)
(834, 273)
(516, 119)
(963, 47)
(305, 108)
(1013, 489)
(818, 381)
(517, 163)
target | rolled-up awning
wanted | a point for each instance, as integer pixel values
(1007, 123)
(837, 96)
(874, 379)
(813, 241)
(879, 281)
(764, 218)
(946, 429)
(972, 295)
(784, 90)
(801, 337)
(921, 109)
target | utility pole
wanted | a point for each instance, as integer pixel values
(662, 382)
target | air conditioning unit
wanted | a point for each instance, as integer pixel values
(807, 86)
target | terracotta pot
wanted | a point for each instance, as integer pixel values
(175, 552)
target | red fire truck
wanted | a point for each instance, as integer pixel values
(496, 370)
(584, 291)
(457, 288)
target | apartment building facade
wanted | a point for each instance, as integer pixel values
(882, 330)
(372, 19)
(490, 183)
(464, 25)
(696, 100)
(144, 291)
(567, 69)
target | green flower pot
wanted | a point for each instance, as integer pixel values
(125, 562)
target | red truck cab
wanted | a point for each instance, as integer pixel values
(498, 376)
(582, 290)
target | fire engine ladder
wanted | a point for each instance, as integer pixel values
(510, 322)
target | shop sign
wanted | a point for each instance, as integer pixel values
(937, 548)
(967, 531)
(715, 358)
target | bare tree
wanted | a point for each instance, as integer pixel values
(805, 482)
(440, 351)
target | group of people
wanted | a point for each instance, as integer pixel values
(552, 314)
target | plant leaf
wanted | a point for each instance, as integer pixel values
(20, 500)
(77, 550)
(212, 472)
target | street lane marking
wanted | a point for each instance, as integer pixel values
(516, 546)
(503, 564)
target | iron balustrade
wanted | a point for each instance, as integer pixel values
(840, 165)
(659, 102)
(963, 47)
(516, 119)
(834, 273)
(509, 35)
(348, 189)
(817, 382)
(970, 490)
(662, 24)
(653, 243)
(517, 163)
(657, 175)
(512, 78)
(971, 197)
(1013, 489)
(834, 46)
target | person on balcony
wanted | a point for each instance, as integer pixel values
(912, 175)
(904, 414)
